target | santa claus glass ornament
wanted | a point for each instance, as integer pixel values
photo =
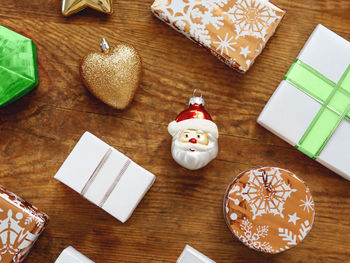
(195, 136)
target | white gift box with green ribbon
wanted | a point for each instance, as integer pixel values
(311, 107)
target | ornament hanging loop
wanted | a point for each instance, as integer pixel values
(194, 93)
(104, 45)
(195, 99)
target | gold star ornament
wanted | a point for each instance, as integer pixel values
(70, 7)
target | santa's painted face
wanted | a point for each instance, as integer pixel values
(194, 149)
(194, 137)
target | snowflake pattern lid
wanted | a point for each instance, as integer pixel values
(20, 226)
(269, 209)
(235, 31)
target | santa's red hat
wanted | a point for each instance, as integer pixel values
(194, 117)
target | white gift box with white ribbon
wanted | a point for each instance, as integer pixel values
(71, 255)
(190, 255)
(105, 176)
(290, 111)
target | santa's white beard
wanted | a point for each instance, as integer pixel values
(196, 159)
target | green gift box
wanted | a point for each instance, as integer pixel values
(311, 107)
(18, 66)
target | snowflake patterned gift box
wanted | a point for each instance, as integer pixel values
(105, 177)
(235, 31)
(269, 209)
(20, 226)
(191, 255)
(311, 107)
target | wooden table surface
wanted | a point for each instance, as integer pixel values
(183, 207)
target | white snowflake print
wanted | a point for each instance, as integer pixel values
(30, 209)
(207, 17)
(305, 228)
(253, 239)
(197, 15)
(235, 190)
(38, 221)
(266, 192)
(200, 34)
(288, 236)
(224, 45)
(293, 218)
(245, 51)
(291, 238)
(14, 239)
(251, 18)
(180, 25)
(248, 21)
(259, 48)
(307, 204)
(28, 220)
(216, 3)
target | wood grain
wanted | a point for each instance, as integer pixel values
(183, 207)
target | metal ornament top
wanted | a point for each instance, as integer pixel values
(104, 45)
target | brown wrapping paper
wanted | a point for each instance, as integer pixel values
(269, 209)
(236, 31)
(20, 226)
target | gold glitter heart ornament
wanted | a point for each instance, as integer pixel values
(112, 75)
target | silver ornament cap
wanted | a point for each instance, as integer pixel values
(104, 45)
(196, 99)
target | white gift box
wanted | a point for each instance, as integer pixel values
(71, 255)
(290, 110)
(190, 255)
(105, 176)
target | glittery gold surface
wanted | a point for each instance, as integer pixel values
(70, 7)
(113, 76)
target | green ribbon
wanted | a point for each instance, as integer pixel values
(335, 99)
